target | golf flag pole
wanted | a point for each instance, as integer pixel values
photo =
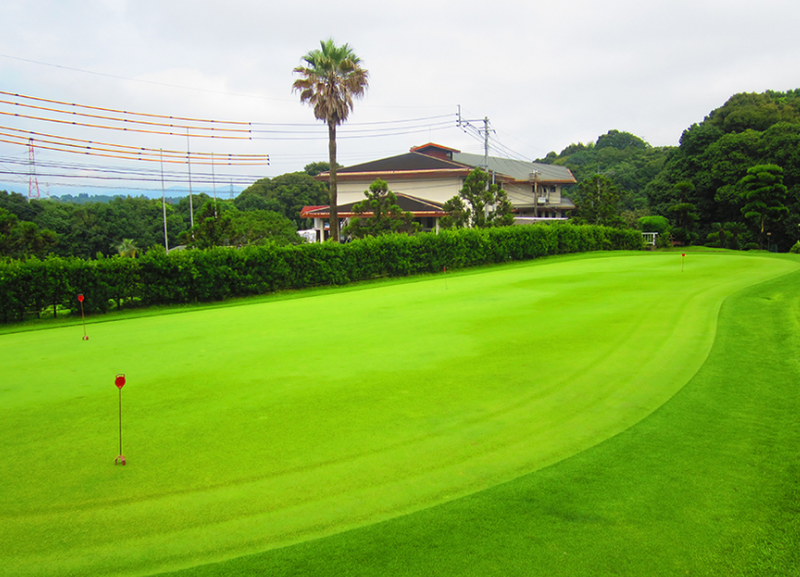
(683, 258)
(119, 381)
(85, 336)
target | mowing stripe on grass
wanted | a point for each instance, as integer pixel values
(709, 484)
(257, 426)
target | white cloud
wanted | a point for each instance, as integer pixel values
(547, 74)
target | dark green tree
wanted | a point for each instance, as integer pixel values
(314, 168)
(286, 194)
(598, 201)
(257, 227)
(684, 214)
(718, 235)
(254, 197)
(379, 214)
(764, 195)
(715, 155)
(19, 238)
(479, 204)
(212, 226)
(627, 160)
(620, 141)
(289, 193)
(457, 214)
(736, 231)
(654, 223)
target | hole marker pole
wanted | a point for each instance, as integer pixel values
(683, 258)
(120, 382)
(83, 319)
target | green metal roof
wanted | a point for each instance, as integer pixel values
(519, 170)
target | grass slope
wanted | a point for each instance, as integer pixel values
(246, 432)
(709, 484)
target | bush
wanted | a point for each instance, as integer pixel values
(222, 272)
(654, 223)
(796, 248)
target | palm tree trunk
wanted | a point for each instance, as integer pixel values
(334, 218)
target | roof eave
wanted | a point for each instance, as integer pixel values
(394, 174)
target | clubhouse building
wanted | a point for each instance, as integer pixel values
(427, 176)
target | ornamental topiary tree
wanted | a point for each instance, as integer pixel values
(478, 204)
(379, 214)
(764, 194)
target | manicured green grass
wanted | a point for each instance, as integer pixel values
(252, 427)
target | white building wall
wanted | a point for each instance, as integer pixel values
(519, 193)
(437, 190)
(442, 190)
(522, 193)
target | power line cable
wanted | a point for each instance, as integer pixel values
(123, 128)
(191, 119)
(128, 120)
(306, 124)
(144, 81)
(102, 109)
(133, 150)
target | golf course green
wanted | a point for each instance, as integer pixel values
(298, 419)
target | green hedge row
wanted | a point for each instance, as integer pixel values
(32, 285)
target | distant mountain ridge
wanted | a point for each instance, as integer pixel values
(78, 195)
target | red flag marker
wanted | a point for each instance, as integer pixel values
(683, 258)
(85, 336)
(119, 381)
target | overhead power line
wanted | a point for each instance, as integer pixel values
(128, 112)
(81, 146)
(214, 123)
(153, 82)
(196, 178)
(128, 129)
(128, 120)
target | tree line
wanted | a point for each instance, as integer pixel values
(266, 211)
(733, 181)
(36, 287)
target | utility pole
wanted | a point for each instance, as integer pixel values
(164, 203)
(214, 185)
(189, 165)
(535, 178)
(486, 143)
(465, 124)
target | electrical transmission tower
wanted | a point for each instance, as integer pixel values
(33, 182)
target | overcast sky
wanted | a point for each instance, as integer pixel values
(545, 74)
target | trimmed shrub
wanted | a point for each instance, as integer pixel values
(218, 273)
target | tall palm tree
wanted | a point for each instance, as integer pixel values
(331, 78)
